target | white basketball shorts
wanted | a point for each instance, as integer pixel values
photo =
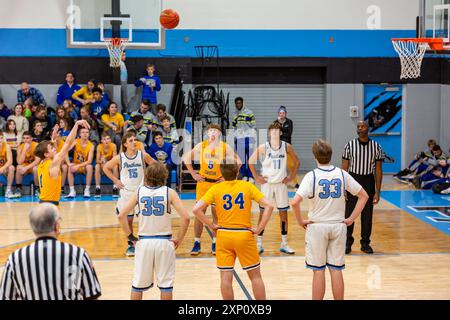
(277, 193)
(325, 246)
(154, 257)
(125, 196)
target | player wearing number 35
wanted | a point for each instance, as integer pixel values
(326, 226)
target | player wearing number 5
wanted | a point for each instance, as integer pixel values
(155, 250)
(210, 154)
(274, 178)
(235, 234)
(326, 227)
(131, 163)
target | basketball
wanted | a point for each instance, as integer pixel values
(169, 19)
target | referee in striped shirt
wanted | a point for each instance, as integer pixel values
(363, 159)
(48, 269)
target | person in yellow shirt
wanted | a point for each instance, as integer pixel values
(49, 170)
(211, 154)
(113, 123)
(235, 234)
(27, 163)
(83, 155)
(6, 165)
(105, 152)
(85, 95)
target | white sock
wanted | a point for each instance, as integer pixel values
(88, 188)
(259, 239)
(97, 187)
(284, 239)
(8, 189)
(197, 240)
(214, 240)
(72, 189)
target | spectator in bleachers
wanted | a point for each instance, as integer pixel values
(139, 144)
(41, 115)
(64, 128)
(71, 110)
(22, 124)
(105, 95)
(438, 174)
(99, 104)
(169, 133)
(142, 132)
(162, 152)
(113, 124)
(151, 84)
(418, 164)
(6, 165)
(26, 92)
(61, 113)
(27, 163)
(66, 90)
(161, 114)
(27, 109)
(85, 95)
(144, 111)
(83, 155)
(105, 152)
(4, 110)
(12, 138)
(38, 133)
(93, 131)
(2, 124)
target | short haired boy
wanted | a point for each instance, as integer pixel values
(326, 226)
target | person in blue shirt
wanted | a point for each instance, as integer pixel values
(100, 103)
(162, 152)
(66, 90)
(151, 84)
(26, 93)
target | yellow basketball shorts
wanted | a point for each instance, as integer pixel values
(236, 243)
(201, 189)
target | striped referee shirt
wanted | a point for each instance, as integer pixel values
(362, 156)
(49, 270)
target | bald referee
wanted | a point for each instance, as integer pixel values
(363, 159)
(48, 269)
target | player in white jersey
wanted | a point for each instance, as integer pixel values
(131, 163)
(326, 226)
(274, 179)
(155, 250)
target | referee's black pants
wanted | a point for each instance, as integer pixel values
(368, 183)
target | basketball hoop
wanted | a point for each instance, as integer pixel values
(115, 46)
(411, 52)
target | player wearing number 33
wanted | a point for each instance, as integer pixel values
(326, 226)
(131, 162)
(274, 178)
(235, 235)
(155, 246)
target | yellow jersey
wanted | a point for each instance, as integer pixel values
(29, 155)
(117, 119)
(81, 153)
(105, 156)
(3, 154)
(210, 160)
(233, 201)
(50, 189)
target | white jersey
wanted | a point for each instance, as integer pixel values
(274, 165)
(132, 170)
(326, 187)
(154, 210)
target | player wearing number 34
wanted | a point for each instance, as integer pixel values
(326, 226)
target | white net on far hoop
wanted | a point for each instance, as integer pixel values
(115, 46)
(411, 55)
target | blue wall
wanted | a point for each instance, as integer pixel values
(231, 43)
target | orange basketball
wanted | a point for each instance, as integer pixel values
(169, 19)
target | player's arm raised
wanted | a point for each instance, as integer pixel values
(189, 157)
(184, 216)
(108, 171)
(296, 160)
(253, 160)
(123, 217)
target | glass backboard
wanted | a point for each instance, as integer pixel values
(90, 22)
(435, 19)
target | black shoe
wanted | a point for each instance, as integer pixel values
(367, 249)
(115, 193)
(297, 186)
(417, 183)
(348, 250)
(98, 193)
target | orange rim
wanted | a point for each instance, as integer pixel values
(116, 41)
(434, 43)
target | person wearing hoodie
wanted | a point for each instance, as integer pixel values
(243, 124)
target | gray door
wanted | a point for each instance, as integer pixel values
(305, 107)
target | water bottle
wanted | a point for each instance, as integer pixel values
(32, 189)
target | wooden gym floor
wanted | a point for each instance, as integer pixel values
(411, 259)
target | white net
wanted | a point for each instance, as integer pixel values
(411, 55)
(115, 48)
